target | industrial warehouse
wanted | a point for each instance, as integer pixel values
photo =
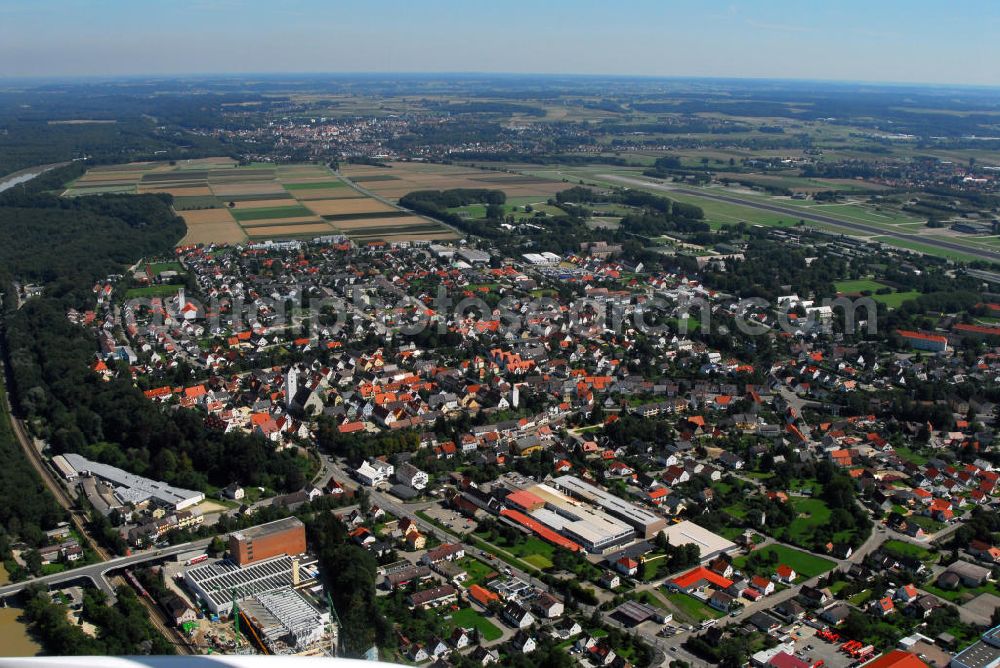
(128, 487)
(582, 524)
(645, 523)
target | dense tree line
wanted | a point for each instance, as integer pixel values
(357, 447)
(123, 628)
(350, 575)
(49, 238)
(28, 509)
(435, 203)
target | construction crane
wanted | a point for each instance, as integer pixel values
(235, 614)
(334, 619)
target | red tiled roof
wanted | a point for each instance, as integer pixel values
(897, 658)
(698, 574)
(909, 334)
(541, 530)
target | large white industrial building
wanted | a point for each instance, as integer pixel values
(134, 489)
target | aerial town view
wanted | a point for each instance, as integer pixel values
(393, 349)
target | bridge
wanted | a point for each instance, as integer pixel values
(98, 573)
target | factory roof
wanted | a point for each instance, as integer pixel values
(135, 488)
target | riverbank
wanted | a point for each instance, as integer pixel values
(23, 176)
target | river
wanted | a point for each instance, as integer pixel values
(25, 175)
(14, 637)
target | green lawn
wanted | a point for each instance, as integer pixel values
(158, 267)
(805, 565)
(837, 586)
(268, 212)
(909, 455)
(153, 291)
(861, 597)
(479, 573)
(691, 608)
(928, 524)
(535, 551)
(892, 299)
(900, 548)
(924, 248)
(962, 593)
(810, 513)
(896, 299)
(858, 285)
(467, 618)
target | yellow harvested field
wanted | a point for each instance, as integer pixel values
(177, 191)
(205, 226)
(261, 203)
(203, 216)
(347, 206)
(259, 188)
(271, 222)
(327, 193)
(289, 230)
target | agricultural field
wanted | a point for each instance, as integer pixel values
(225, 203)
(400, 178)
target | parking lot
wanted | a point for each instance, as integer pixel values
(450, 518)
(821, 650)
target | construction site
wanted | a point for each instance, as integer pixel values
(272, 603)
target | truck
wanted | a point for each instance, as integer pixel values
(196, 560)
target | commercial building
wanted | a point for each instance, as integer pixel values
(135, 489)
(259, 543)
(710, 544)
(217, 583)
(646, 523)
(984, 653)
(583, 524)
(920, 341)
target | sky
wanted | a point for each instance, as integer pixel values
(918, 41)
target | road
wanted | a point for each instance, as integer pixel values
(805, 214)
(97, 573)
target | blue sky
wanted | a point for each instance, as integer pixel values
(876, 40)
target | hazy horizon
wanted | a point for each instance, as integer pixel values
(891, 42)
